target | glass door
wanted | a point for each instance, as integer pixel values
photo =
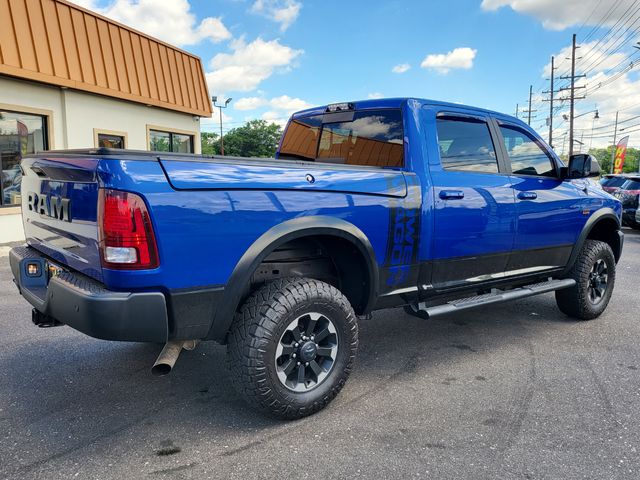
(20, 134)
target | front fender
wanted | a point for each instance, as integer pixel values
(600, 215)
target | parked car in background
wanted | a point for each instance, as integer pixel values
(611, 183)
(629, 195)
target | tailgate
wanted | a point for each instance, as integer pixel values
(59, 210)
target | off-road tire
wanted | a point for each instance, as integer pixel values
(575, 301)
(257, 330)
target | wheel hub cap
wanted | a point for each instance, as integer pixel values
(306, 352)
(598, 281)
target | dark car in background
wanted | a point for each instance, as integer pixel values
(629, 195)
(611, 183)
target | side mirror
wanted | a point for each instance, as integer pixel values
(583, 165)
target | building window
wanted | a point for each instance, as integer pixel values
(109, 140)
(20, 134)
(170, 142)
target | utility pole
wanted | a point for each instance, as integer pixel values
(529, 111)
(517, 109)
(530, 94)
(615, 134)
(214, 99)
(572, 89)
(550, 100)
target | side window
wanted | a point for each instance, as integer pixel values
(466, 145)
(527, 155)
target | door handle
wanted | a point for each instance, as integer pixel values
(527, 195)
(451, 194)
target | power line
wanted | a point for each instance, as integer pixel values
(599, 52)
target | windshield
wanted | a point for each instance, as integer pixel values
(367, 137)
(612, 181)
(631, 184)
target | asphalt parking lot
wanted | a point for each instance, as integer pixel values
(513, 391)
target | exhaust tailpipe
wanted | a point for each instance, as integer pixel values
(169, 354)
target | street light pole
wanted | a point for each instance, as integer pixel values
(221, 136)
(214, 99)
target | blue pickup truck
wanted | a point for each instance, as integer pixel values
(431, 206)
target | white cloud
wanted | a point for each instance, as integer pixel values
(375, 95)
(273, 116)
(622, 94)
(284, 12)
(558, 15)
(249, 103)
(593, 58)
(288, 104)
(168, 20)
(248, 65)
(401, 68)
(280, 108)
(611, 85)
(461, 58)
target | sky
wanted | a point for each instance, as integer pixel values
(274, 57)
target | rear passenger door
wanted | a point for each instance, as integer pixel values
(474, 225)
(549, 210)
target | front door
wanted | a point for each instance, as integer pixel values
(474, 217)
(549, 210)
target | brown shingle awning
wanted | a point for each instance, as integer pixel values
(59, 43)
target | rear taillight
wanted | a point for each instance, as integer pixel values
(126, 234)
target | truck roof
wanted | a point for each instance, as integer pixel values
(398, 102)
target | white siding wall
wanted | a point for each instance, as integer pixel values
(75, 115)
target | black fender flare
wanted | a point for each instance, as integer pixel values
(598, 216)
(268, 242)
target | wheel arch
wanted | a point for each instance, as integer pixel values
(603, 225)
(298, 228)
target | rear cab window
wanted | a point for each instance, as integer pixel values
(363, 137)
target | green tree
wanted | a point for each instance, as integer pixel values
(256, 138)
(210, 143)
(603, 155)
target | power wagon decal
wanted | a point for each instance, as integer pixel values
(403, 241)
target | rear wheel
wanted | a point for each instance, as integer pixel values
(292, 346)
(594, 272)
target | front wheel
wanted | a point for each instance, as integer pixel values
(595, 273)
(292, 346)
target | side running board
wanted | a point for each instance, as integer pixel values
(496, 296)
